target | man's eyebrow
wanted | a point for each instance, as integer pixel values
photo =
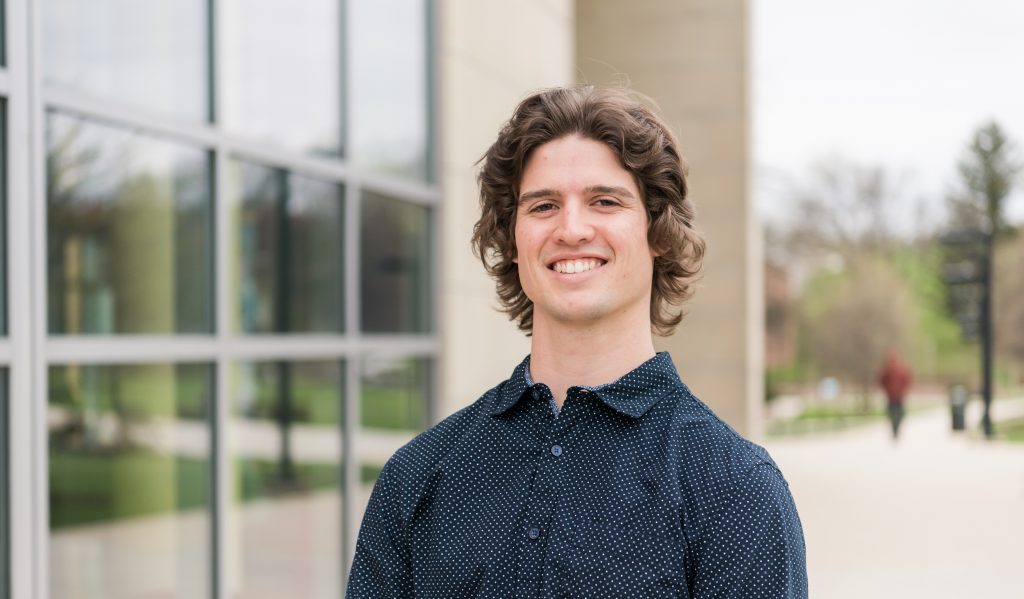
(540, 193)
(610, 190)
(551, 193)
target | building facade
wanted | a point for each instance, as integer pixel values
(237, 272)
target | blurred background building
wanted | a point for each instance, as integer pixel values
(237, 270)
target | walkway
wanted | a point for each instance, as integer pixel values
(937, 515)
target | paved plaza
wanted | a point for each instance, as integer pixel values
(938, 514)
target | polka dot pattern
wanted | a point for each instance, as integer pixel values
(632, 489)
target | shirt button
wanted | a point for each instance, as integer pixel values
(556, 450)
(533, 533)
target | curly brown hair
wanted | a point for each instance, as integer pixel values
(646, 148)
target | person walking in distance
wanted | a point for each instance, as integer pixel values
(895, 381)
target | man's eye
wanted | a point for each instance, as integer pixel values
(543, 207)
(607, 202)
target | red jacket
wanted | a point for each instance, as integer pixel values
(895, 378)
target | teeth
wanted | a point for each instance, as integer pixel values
(574, 266)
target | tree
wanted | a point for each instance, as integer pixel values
(867, 310)
(988, 173)
(842, 207)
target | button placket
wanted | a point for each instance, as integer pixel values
(543, 502)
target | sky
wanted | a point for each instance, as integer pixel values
(896, 83)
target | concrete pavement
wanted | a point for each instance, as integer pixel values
(935, 515)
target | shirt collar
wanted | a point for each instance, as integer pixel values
(631, 394)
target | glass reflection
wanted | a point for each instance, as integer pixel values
(288, 455)
(129, 471)
(395, 259)
(390, 96)
(3, 39)
(128, 232)
(288, 252)
(282, 76)
(152, 55)
(394, 406)
(3, 213)
(395, 394)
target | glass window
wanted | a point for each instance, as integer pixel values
(282, 76)
(3, 215)
(5, 541)
(395, 394)
(395, 273)
(129, 231)
(288, 252)
(288, 460)
(152, 55)
(394, 405)
(129, 470)
(390, 112)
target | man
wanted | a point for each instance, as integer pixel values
(592, 471)
(895, 381)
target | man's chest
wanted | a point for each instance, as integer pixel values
(556, 509)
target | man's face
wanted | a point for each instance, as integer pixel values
(581, 235)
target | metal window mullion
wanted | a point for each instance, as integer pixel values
(128, 350)
(223, 468)
(353, 302)
(35, 367)
(350, 465)
(22, 421)
(437, 266)
(331, 170)
(221, 432)
(80, 104)
(416, 193)
(5, 82)
(163, 349)
(6, 346)
(73, 102)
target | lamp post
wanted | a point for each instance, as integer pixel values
(974, 270)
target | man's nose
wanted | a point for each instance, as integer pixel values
(574, 225)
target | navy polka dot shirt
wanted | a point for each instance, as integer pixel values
(635, 489)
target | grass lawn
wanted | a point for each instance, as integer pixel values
(1012, 430)
(825, 418)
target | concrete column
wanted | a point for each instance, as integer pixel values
(491, 54)
(691, 57)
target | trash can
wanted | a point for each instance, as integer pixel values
(957, 405)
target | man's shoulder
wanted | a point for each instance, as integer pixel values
(709, 448)
(423, 452)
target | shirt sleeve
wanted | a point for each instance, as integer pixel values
(754, 547)
(381, 567)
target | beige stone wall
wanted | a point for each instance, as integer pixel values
(690, 56)
(491, 54)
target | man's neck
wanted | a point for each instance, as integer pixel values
(564, 356)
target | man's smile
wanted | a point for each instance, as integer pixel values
(576, 265)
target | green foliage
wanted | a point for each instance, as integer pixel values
(107, 486)
(988, 172)
(934, 345)
(98, 487)
(938, 352)
(391, 408)
(258, 479)
(1011, 431)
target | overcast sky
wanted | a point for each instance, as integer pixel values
(901, 83)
